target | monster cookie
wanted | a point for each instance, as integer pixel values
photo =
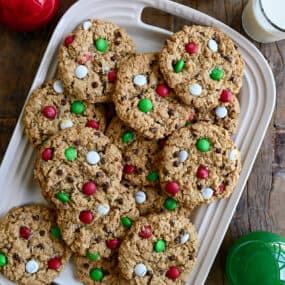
(89, 57)
(199, 63)
(31, 251)
(78, 149)
(223, 112)
(140, 155)
(144, 101)
(159, 249)
(49, 110)
(200, 164)
(97, 228)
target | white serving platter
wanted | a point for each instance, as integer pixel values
(257, 100)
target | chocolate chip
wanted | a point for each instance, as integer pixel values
(120, 200)
(63, 102)
(177, 240)
(171, 257)
(103, 160)
(218, 150)
(139, 170)
(233, 79)
(140, 96)
(216, 38)
(153, 130)
(77, 142)
(69, 179)
(149, 273)
(176, 154)
(59, 172)
(123, 98)
(172, 223)
(77, 230)
(176, 163)
(98, 239)
(176, 126)
(106, 230)
(162, 272)
(118, 34)
(114, 57)
(199, 186)
(42, 233)
(135, 151)
(165, 171)
(105, 185)
(227, 57)
(116, 43)
(171, 112)
(99, 174)
(97, 134)
(36, 217)
(40, 246)
(86, 265)
(94, 84)
(16, 257)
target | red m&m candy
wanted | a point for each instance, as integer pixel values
(113, 243)
(54, 263)
(145, 232)
(129, 169)
(93, 124)
(162, 90)
(226, 96)
(25, 232)
(89, 188)
(112, 75)
(172, 188)
(68, 40)
(191, 47)
(173, 273)
(49, 112)
(202, 172)
(86, 217)
(47, 154)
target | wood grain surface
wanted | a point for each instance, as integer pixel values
(261, 206)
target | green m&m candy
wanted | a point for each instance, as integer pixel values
(3, 259)
(217, 73)
(77, 107)
(101, 45)
(70, 153)
(159, 245)
(145, 105)
(127, 137)
(63, 197)
(170, 204)
(152, 176)
(55, 232)
(93, 256)
(126, 222)
(179, 66)
(96, 274)
(203, 144)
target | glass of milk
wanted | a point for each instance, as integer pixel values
(264, 20)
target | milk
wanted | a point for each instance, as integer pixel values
(264, 20)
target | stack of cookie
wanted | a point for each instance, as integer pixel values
(123, 186)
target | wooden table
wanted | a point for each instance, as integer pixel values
(261, 206)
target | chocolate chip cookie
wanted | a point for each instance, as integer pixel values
(49, 110)
(31, 250)
(159, 249)
(89, 58)
(200, 164)
(200, 63)
(144, 101)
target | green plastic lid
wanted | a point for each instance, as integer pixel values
(257, 258)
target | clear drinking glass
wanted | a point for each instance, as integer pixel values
(264, 20)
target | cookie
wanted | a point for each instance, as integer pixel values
(221, 113)
(200, 63)
(49, 110)
(98, 228)
(159, 249)
(89, 58)
(144, 101)
(31, 251)
(140, 155)
(149, 199)
(199, 164)
(79, 149)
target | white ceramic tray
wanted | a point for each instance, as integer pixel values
(257, 103)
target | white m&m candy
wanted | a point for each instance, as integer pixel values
(221, 112)
(87, 25)
(81, 71)
(140, 197)
(64, 124)
(103, 210)
(183, 155)
(213, 45)
(233, 154)
(58, 87)
(32, 266)
(140, 80)
(184, 238)
(93, 157)
(140, 270)
(195, 89)
(207, 193)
